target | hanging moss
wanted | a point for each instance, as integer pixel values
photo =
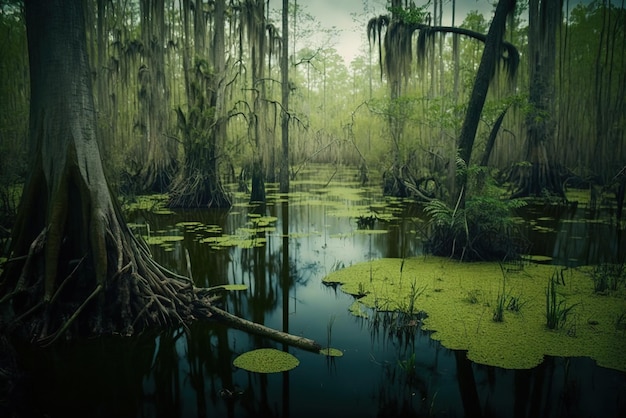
(266, 360)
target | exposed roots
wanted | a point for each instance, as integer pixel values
(138, 295)
(198, 190)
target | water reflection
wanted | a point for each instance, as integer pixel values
(390, 366)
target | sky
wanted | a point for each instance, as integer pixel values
(350, 18)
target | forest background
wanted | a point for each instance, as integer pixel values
(188, 97)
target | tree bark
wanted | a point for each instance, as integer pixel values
(262, 330)
(541, 176)
(75, 266)
(284, 70)
(486, 70)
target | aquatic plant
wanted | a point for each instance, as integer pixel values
(483, 230)
(471, 296)
(515, 303)
(329, 329)
(556, 309)
(620, 322)
(408, 365)
(266, 360)
(498, 310)
(521, 341)
(408, 305)
(607, 277)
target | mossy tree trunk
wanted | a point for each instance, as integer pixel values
(157, 150)
(203, 124)
(74, 265)
(541, 174)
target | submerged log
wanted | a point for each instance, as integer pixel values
(255, 328)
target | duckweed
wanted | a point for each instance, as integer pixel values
(522, 339)
(266, 360)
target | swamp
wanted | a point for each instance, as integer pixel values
(249, 208)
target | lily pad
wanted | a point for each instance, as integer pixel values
(331, 352)
(266, 360)
(230, 287)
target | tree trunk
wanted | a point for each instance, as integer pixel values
(541, 176)
(284, 70)
(153, 97)
(486, 70)
(203, 124)
(75, 266)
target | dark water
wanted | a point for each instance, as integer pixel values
(384, 372)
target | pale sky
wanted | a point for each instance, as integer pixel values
(342, 14)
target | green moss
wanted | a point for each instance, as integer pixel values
(522, 339)
(266, 360)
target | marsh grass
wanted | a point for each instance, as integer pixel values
(329, 329)
(607, 277)
(500, 305)
(556, 308)
(409, 305)
(506, 300)
(620, 322)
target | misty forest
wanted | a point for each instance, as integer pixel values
(207, 210)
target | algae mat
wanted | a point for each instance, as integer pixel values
(460, 298)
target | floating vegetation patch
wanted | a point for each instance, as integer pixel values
(162, 239)
(266, 360)
(151, 203)
(371, 231)
(331, 352)
(358, 309)
(459, 298)
(229, 287)
(225, 241)
(348, 193)
(262, 221)
(542, 259)
(189, 224)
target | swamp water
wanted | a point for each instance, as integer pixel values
(390, 366)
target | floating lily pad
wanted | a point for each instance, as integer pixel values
(331, 352)
(266, 360)
(230, 287)
(160, 240)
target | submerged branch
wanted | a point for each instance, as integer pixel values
(253, 327)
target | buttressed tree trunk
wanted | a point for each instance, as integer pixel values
(75, 266)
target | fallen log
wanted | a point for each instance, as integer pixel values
(258, 329)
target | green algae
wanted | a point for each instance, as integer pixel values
(522, 339)
(266, 360)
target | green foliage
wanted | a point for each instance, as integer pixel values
(498, 310)
(607, 277)
(408, 306)
(412, 14)
(556, 308)
(484, 229)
